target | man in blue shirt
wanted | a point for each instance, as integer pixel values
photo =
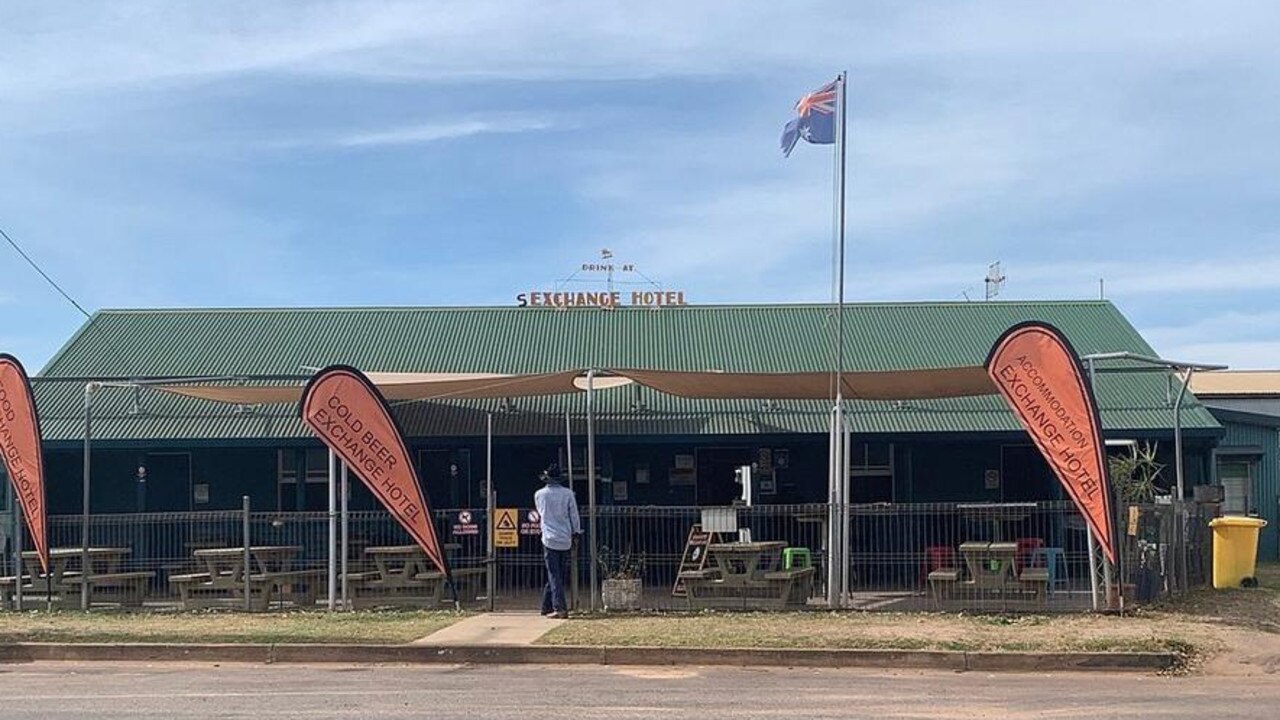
(558, 510)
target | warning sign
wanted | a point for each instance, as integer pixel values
(695, 556)
(465, 525)
(532, 524)
(505, 532)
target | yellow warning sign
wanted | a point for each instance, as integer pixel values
(506, 532)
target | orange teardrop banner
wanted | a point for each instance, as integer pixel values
(20, 446)
(345, 411)
(1040, 376)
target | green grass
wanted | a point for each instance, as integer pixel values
(1196, 623)
(884, 631)
(222, 627)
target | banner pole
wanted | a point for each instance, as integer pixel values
(333, 532)
(1093, 565)
(17, 549)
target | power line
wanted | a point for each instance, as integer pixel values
(43, 274)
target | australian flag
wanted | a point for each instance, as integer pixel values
(815, 119)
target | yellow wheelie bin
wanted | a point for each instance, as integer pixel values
(1235, 550)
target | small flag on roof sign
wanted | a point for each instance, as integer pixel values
(815, 119)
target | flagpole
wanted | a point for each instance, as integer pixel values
(840, 158)
(842, 437)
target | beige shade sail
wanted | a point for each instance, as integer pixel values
(878, 385)
(399, 386)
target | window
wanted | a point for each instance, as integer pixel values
(1236, 478)
(314, 494)
(871, 472)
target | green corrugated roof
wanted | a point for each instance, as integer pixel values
(761, 338)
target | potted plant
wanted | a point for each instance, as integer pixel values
(622, 585)
(1135, 477)
(1135, 474)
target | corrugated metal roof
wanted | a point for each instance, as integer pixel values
(759, 338)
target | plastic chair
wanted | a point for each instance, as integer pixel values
(1026, 550)
(796, 557)
(1055, 561)
(938, 557)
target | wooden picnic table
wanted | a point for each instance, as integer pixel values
(107, 583)
(66, 561)
(270, 574)
(403, 575)
(990, 565)
(747, 575)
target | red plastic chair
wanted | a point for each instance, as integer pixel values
(1026, 549)
(937, 557)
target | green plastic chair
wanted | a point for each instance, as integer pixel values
(796, 557)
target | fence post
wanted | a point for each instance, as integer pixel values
(591, 493)
(84, 510)
(333, 531)
(346, 530)
(490, 501)
(247, 570)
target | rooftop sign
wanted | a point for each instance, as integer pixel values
(652, 294)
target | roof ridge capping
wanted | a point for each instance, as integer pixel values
(513, 308)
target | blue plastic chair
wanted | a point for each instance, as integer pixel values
(1055, 560)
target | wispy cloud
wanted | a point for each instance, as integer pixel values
(434, 132)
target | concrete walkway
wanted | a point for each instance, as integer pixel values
(508, 628)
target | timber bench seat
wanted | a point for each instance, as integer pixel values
(8, 587)
(1036, 580)
(794, 586)
(942, 582)
(126, 588)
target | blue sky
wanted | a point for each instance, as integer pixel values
(371, 153)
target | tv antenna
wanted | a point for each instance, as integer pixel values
(994, 280)
(605, 256)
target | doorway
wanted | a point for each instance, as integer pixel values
(715, 474)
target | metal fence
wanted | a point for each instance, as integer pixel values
(948, 556)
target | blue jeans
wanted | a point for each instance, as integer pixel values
(557, 574)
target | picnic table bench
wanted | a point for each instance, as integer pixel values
(404, 576)
(269, 576)
(747, 575)
(107, 581)
(991, 571)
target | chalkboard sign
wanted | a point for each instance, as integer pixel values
(695, 555)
